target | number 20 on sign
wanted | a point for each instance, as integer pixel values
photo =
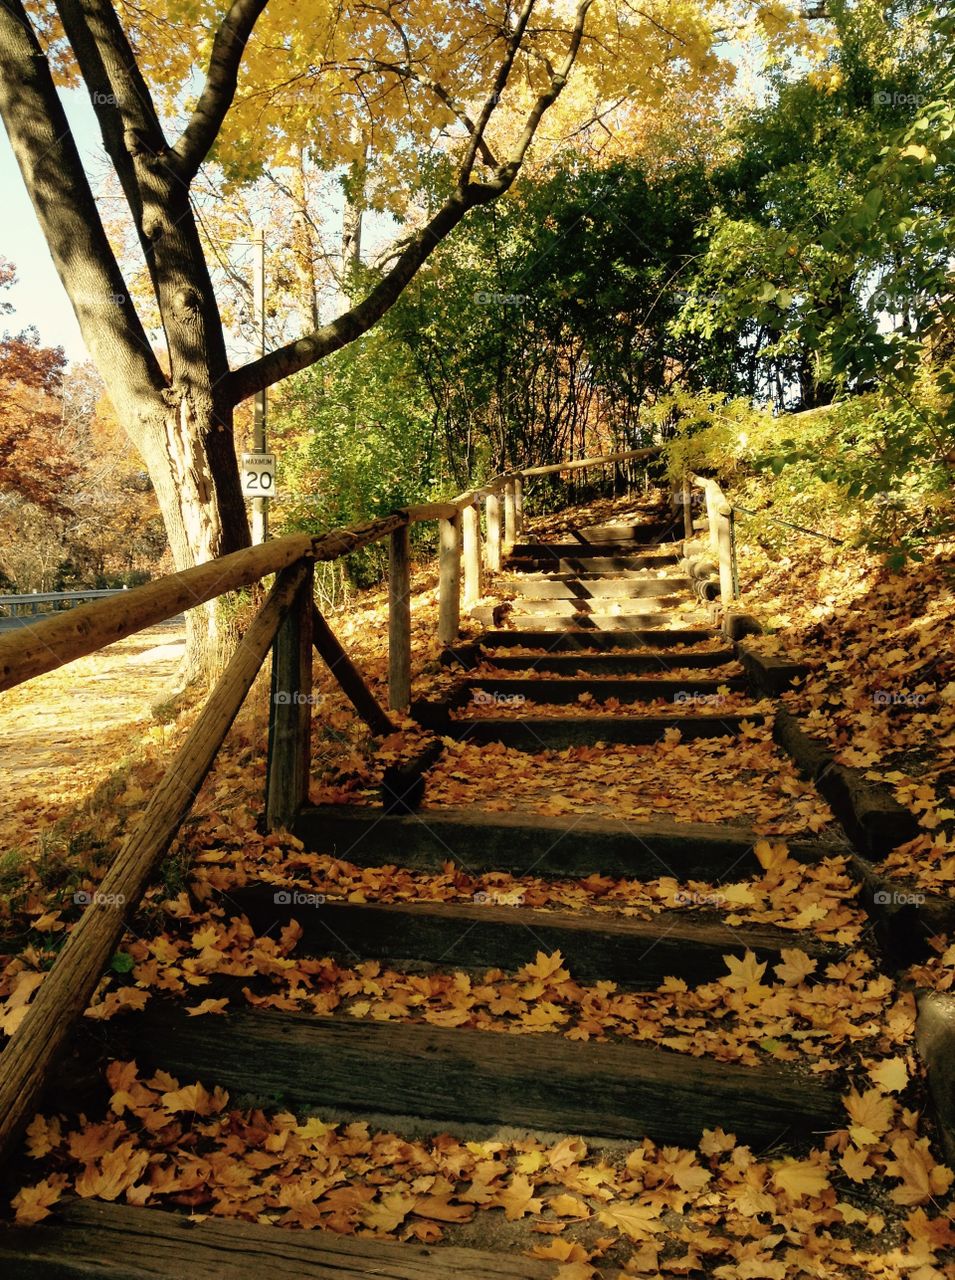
(258, 475)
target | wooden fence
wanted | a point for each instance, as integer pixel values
(290, 625)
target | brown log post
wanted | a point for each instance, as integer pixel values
(518, 507)
(492, 508)
(66, 990)
(510, 514)
(350, 680)
(711, 494)
(290, 712)
(399, 620)
(725, 548)
(449, 571)
(471, 527)
(687, 507)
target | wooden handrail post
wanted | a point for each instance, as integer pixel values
(518, 507)
(725, 548)
(492, 508)
(449, 579)
(399, 620)
(712, 515)
(687, 507)
(290, 711)
(471, 529)
(510, 514)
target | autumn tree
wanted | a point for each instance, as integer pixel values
(441, 100)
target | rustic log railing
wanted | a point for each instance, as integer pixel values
(715, 562)
(290, 625)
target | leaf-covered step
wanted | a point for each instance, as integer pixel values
(539, 1081)
(656, 607)
(102, 1241)
(569, 586)
(604, 563)
(571, 639)
(496, 932)
(553, 733)
(569, 690)
(555, 550)
(608, 664)
(629, 621)
(536, 844)
(648, 532)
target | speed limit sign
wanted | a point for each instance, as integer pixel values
(258, 475)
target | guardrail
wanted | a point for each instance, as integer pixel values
(33, 599)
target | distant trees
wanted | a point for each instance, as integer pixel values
(76, 509)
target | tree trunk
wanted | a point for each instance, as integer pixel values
(190, 456)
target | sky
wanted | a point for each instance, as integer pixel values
(38, 297)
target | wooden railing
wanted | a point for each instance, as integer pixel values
(290, 625)
(712, 561)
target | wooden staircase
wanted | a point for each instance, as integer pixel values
(603, 612)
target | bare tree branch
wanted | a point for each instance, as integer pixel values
(218, 91)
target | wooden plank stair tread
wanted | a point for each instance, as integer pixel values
(600, 550)
(584, 638)
(605, 664)
(539, 844)
(458, 1074)
(571, 587)
(561, 689)
(655, 606)
(596, 945)
(102, 1241)
(553, 733)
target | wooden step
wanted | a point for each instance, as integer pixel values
(604, 564)
(609, 664)
(484, 934)
(568, 586)
(457, 1074)
(552, 620)
(535, 844)
(555, 733)
(102, 1241)
(649, 551)
(570, 690)
(648, 532)
(656, 607)
(591, 638)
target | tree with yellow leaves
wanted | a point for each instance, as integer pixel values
(408, 97)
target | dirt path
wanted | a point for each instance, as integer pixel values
(85, 717)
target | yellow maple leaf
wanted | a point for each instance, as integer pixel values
(856, 1165)
(207, 1006)
(546, 966)
(517, 1199)
(43, 1136)
(796, 966)
(800, 1178)
(638, 1221)
(922, 1178)
(389, 1212)
(32, 1204)
(891, 1075)
(745, 974)
(567, 1206)
(871, 1114)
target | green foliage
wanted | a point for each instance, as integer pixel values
(356, 441)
